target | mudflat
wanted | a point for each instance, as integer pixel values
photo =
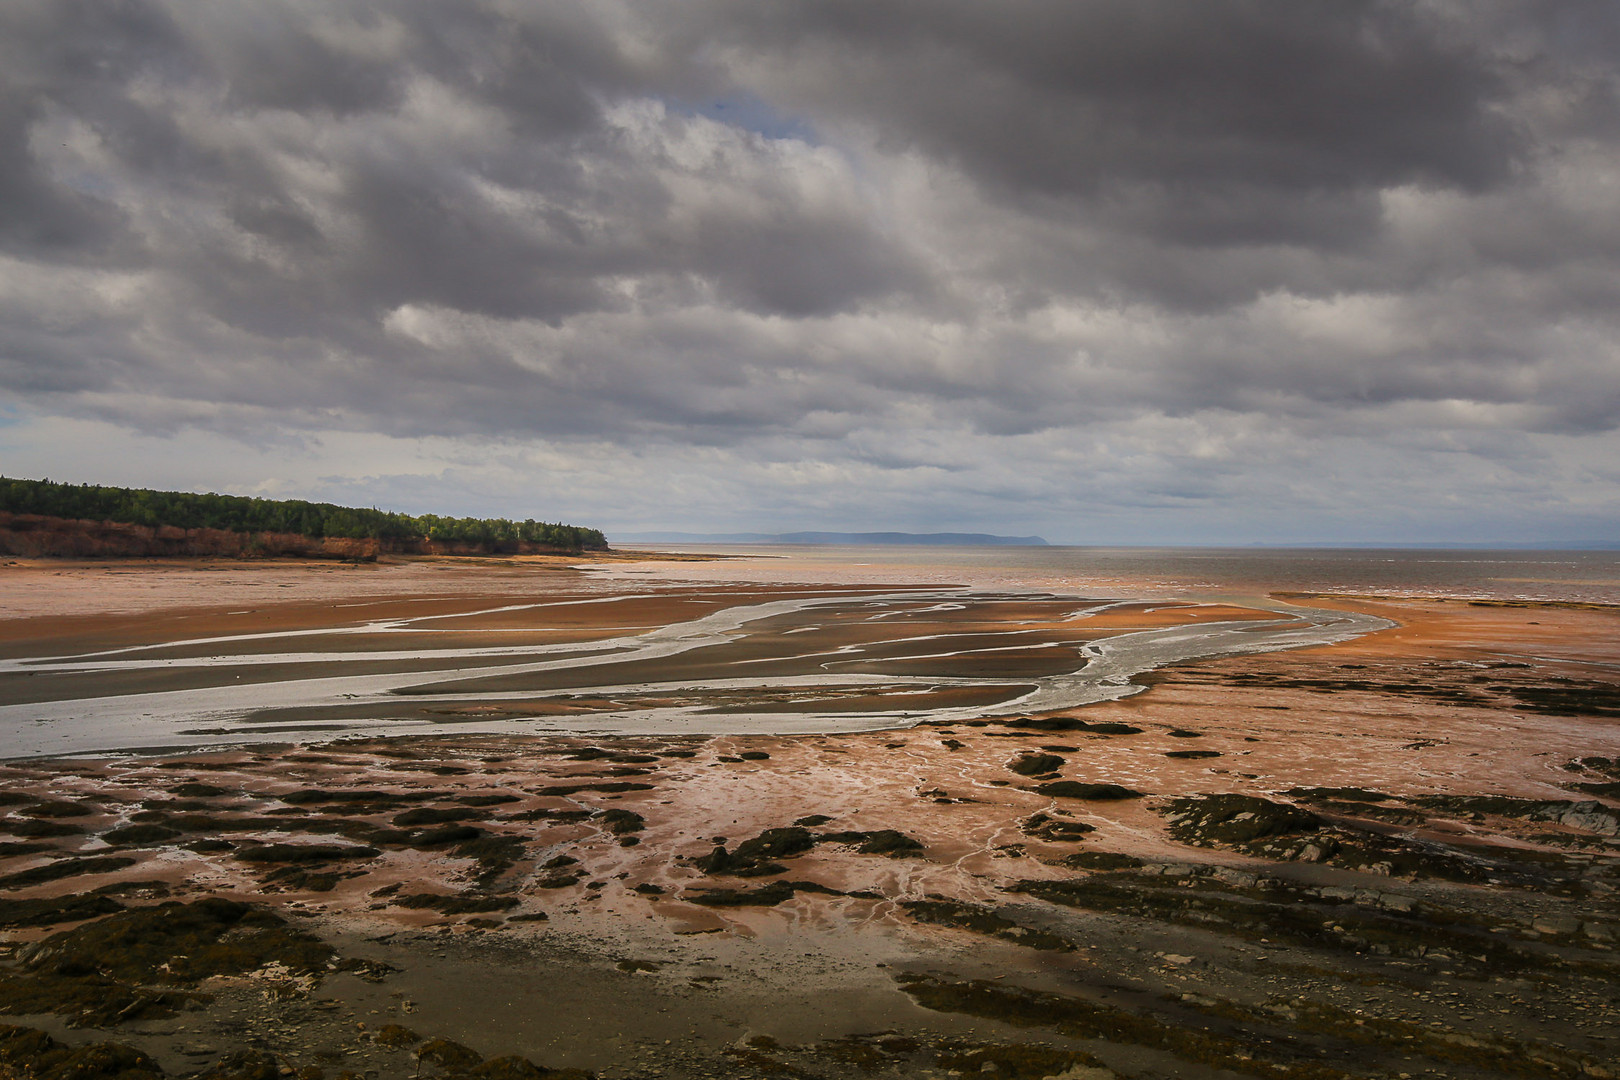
(833, 845)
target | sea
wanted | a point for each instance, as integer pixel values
(1207, 573)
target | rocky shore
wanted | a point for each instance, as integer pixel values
(1392, 856)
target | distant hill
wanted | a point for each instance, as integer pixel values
(941, 539)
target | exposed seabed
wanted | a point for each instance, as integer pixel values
(238, 711)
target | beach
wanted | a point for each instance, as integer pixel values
(797, 816)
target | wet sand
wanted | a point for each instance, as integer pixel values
(534, 648)
(1393, 854)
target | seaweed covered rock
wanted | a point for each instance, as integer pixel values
(451, 904)
(50, 910)
(444, 835)
(195, 790)
(35, 829)
(942, 911)
(1234, 820)
(86, 1000)
(458, 1061)
(179, 943)
(1273, 830)
(29, 1052)
(437, 815)
(1075, 789)
(753, 857)
(777, 843)
(60, 808)
(766, 896)
(721, 861)
(494, 854)
(448, 1055)
(622, 822)
(1035, 764)
(1021, 1061)
(1046, 827)
(306, 853)
(1101, 861)
(65, 868)
(139, 835)
(1071, 723)
(510, 1067)
(395, 1037)
(1339, 794)
(243, 1065)
(890, 842)
(452, 1059)
(1591, 816)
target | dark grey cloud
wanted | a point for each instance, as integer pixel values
(1072, 98)
(40, 218)
(899, 248)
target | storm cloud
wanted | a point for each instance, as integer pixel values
(1119, 270)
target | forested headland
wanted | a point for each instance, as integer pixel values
(39, 517)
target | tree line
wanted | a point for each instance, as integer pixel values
(239, 513)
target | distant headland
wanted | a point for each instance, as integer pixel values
(943, 539)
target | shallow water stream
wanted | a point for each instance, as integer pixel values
(233, 710)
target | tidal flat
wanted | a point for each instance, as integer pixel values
(543, 818)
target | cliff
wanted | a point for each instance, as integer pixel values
(41, 536)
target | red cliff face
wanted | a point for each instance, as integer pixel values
(34, 536)
(37, 536)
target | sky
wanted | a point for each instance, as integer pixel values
(1108, 271)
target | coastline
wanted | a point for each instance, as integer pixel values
(1080, 899)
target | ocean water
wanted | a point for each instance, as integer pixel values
(1239, 573)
